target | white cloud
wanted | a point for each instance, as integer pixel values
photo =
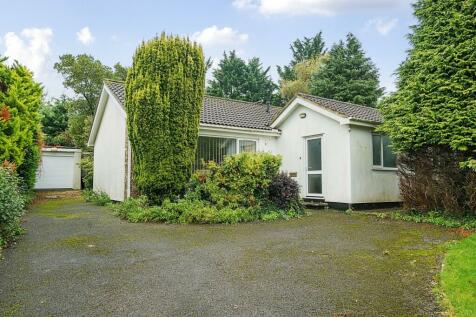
(312, 7)
(382, 26)
(85, 36)
(214, 36)
(31, 48)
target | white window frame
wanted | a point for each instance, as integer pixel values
(249, 140)
(380, 167)
(307, 172)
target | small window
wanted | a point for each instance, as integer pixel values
(382, 152)
(247, 146)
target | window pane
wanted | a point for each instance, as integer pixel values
(247, 146)
(389, 159)
(376, 149)
(314, 183)
(213, 149)
(314, 155)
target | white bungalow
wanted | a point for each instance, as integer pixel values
(328, 146)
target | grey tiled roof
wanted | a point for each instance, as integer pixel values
(346, 109)
(221, 111)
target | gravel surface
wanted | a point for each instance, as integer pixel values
(77, 259)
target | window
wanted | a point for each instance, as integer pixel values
(216, 148)
(382, 152)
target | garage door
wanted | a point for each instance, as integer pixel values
(56, 171)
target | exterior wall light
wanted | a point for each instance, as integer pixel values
(302, 115)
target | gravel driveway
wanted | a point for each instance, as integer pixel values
(77, 259)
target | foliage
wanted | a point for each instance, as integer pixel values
(98, 197)
(457, 277)
(87, 168)
(12, 205)
(284, 192)
(164, 96)
(306, 49)
(20, 140)
(237, 79)
(438, 218)
(54, 120)
(235, 191)
(435, 100)
(431, 179)
(85, 76)
(303, 72)
(348, 75)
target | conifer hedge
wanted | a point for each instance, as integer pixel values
(164, 96)
(20, 130)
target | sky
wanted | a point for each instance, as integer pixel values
(36, 32)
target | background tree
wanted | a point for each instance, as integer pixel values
(236, 79)
(431, 118)
(85, 76)
(54, 119)
(164, 96)
(348, 75)
(303, 72)
(20, 130)
(306, 49)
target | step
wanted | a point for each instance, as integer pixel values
(315, 204)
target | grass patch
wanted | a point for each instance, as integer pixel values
(432, 217)
(99, 198)
(458, 278)
(78, 241)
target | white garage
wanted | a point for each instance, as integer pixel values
(59, 169)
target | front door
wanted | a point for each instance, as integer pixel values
(314, 167)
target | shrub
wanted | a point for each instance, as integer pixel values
(87, 169)
(99, 198)
(164, 96)
(284, 192)
(131, 209)
(12, 205)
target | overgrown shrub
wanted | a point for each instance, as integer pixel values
(12, 205)
(284, 192)
(87, 169)
(99, 197)
(235, 191)
(164, 96)
(431, 179)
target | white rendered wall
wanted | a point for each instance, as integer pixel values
(110, 151)
(369, 184)
(334, 147)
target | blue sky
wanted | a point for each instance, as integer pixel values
(37, 32)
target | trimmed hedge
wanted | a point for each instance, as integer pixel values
(12, 206)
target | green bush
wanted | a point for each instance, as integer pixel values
(12, 205)
(87, 168)
(164, 95)
(99, 198)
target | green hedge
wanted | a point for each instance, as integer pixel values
(12, 205)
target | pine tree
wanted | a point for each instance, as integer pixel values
(306, 49)
(348, 75)
(164, 96)
(237, 79)
(435, 101)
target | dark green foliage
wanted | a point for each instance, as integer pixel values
(20, 137)
(235, 191)
(164, 96)
(438, 218)
(12, 205)
(84, 75)
(55, 122)
(435, 101)
(99, 198)
(237, 79)
(348, 75)
(284, 192)
(305, 49)
(87, 170)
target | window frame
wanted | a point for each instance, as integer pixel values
(381, 167)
